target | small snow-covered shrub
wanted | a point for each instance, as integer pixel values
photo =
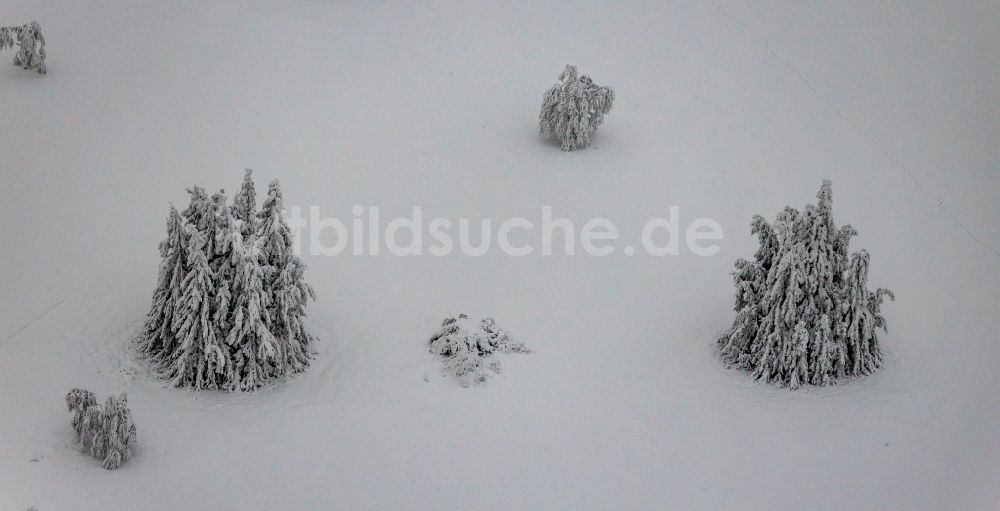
(78, 401)
(573, 108)
(30, 43)
(804, 313)
(230, 299)
(468, 347)
(107, 431)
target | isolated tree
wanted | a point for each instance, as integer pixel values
(803, 314)
(106, 431)
(468, 348)
(573, 108)
(30, 45)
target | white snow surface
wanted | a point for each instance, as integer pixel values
(725, 110)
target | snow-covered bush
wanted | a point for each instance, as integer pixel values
(573, 108)
(230, 298)
(106, 431)
(468, 347)
(804, 313)
(30, 45)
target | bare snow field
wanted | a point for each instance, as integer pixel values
(723, 109)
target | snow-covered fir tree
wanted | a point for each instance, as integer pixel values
(223, 262)
(245, 204)
(255, 350)
(30, 45)
(199, 359)
(228, 308)
(157, 337)
(8, 37)
(284, 278)
(78, 401)
(862, 317)
(468, 348)
(106, 431)
(573, 108)
(804, 313)
(114, 438)
(202, 215)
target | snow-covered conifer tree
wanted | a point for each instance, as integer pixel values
(199, 360)
(8, 37)
(106, 431)
(245, 204)
(30, 42)
(223, 261)
(202, 215)
(114, 437)
(573, 108)
(78, 401)
(156, 340)
(796, 302)
(284, 273)
(290, 296)
(273, 231)
(468, 348)
(862, 317)
(256, 353)
(223, 220)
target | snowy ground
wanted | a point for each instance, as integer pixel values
(725, 111)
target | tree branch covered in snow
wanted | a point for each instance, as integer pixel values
(106, 431)
(30, 45)
(468, 348)
(573, 108)
(229, 302)
(804, 313)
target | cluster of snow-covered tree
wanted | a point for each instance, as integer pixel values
(30, 45)
(468, 348)
(230, 298)
(573, 108)
(804, 313)
(106, 431)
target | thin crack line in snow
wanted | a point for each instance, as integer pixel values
(33, 321)
(878, 145)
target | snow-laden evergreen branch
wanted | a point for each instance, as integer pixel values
(804, 313)
(573, 108)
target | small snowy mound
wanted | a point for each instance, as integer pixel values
(573, 108)
(106, 431)
(468, 348)
(804, 314)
